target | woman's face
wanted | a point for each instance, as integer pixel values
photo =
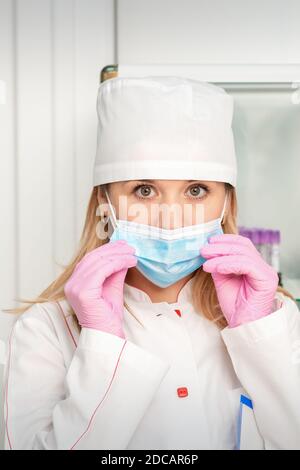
(166, 204)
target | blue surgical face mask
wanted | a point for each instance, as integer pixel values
(166, 256)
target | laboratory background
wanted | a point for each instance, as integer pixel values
(53, 56)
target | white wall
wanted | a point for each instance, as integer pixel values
(51, 53)
(208, 31)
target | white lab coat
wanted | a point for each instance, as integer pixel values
(95, 390)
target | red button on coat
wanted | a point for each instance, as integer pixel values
(182, 392)
(178, 312)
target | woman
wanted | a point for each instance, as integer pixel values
(162, 333)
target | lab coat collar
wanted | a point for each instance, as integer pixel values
(138, 295)
(141, 302)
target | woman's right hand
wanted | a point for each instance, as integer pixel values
(95, 288)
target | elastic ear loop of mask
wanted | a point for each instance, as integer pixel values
(223, 211)
(112, 212)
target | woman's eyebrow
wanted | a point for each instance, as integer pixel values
(139, 181)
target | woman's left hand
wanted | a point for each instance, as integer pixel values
(245, 283)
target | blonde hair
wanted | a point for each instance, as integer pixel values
(206, 305)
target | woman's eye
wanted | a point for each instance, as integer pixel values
(143, 191)
(197, 191)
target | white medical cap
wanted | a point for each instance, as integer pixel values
(160, 127)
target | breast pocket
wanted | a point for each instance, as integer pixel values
(246, 430)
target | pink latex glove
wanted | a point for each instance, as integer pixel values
(245, 283)
(95, 288)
